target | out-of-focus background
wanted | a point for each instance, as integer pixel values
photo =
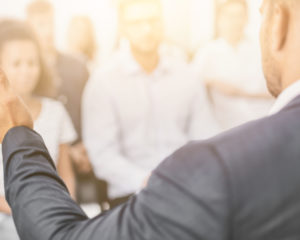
(116, 86)
(190, 24)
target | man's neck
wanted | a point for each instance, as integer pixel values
(148, 62)
(234, 42)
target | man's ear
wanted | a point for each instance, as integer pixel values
(280, 26)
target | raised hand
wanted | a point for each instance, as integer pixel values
(13, 112)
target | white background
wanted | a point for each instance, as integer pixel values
(189, 23)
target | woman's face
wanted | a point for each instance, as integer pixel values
(20, 61)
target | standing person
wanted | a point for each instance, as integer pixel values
(21, 58)
(242, 184)
(230, 67)
(70, 74)
(141, 106)
(81, 40)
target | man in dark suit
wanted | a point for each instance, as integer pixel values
(243, 184)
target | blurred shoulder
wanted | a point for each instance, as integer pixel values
(52, 106)
(67, 59)
(250, 144)
(72, 68)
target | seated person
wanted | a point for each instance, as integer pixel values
(230, 67)
(21, 58)
(141, 106)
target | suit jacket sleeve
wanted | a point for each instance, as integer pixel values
(186, 198)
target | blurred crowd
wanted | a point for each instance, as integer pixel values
(108, 126)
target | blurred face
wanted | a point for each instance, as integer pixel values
(79, 34)
(270, 67)
(20, 61)
(43, 25)
(142, 25)
(232, 21)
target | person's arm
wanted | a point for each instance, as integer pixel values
(186, 198)
(65, 169)
(223, 87)
(4, 207)
(103, 141)
(231, 90)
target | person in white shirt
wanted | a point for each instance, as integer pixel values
(69, 74)
(21, 59)
(230, 67)
(141, 106)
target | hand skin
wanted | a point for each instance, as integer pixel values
(4, 207)
(13, 112)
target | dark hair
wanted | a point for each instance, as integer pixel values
(11, 30)
(39, 7)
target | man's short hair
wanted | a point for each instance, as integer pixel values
(227, 3)
(39, 7)
(124, 3)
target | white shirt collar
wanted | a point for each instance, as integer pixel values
(130, 65)
(285, 97)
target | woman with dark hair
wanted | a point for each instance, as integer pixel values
(17, 30)
(22, 61)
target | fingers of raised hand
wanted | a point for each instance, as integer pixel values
(4, 85)
(13, 111)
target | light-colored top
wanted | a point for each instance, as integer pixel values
(56, 128)
(133, 120)
(286, 97)
(240, 67)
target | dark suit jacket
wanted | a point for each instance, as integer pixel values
(243, 185)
